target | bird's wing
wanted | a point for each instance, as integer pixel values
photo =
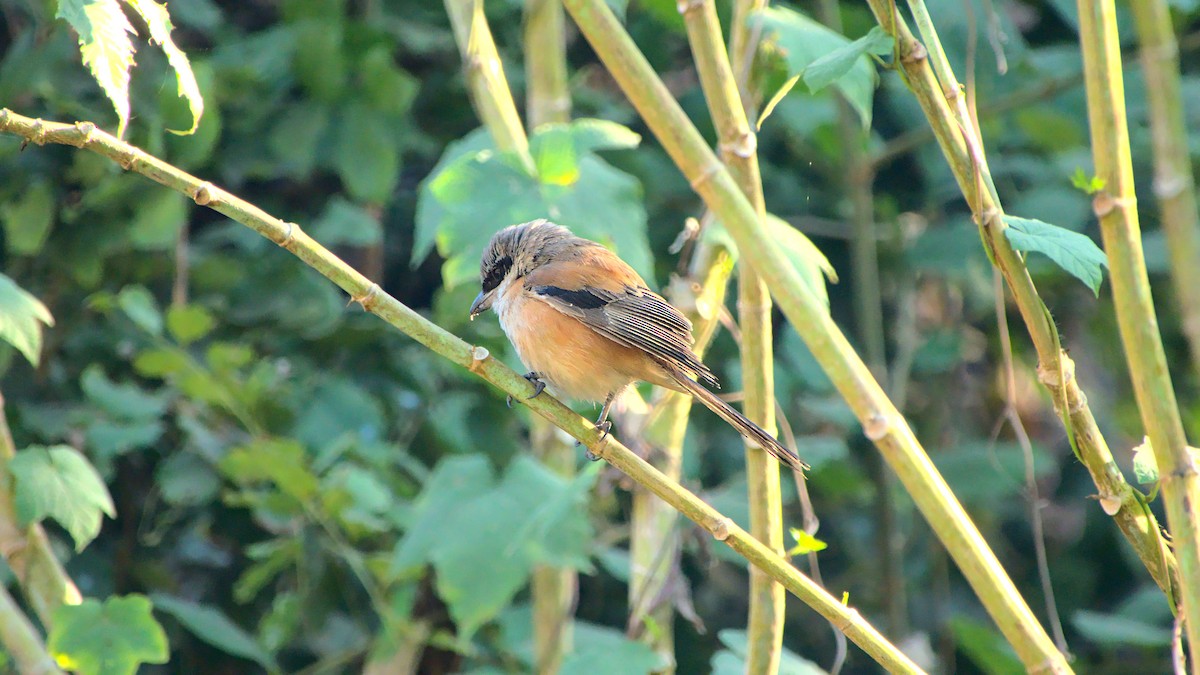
(631, 315)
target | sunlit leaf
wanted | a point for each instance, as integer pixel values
(106, 47)
(838, 63)
(21, 319)
(141, 308)
(1145, 467)
(112, 638)
(159, 22)
(58, 482)
(1074, 252)
(188, 323)
(805, 543)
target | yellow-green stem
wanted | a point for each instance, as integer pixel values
(547, 97)
(1055, 369)
(1174, 183)
(22, 641)
(27, 550)
(736, 143)
(477, 360)
(882, 423)
(1116, 206)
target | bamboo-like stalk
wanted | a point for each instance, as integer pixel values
(868, 305)
(736, 142)
(477, 360)
(1116, 206)
(27, 550)
(1174, 183)
(547, 97)
(552, 589)
(485, 77)
(654, 532)
(22, 641)
(882, 423)
(1056, 370)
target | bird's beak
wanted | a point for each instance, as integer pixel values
(483, 302)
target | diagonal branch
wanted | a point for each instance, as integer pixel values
(475, 359)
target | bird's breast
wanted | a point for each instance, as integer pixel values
(574, 360)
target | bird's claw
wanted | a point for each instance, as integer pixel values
(538, 387)
(604, 427)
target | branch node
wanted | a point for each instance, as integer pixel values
(126, 160)
(685, 6)
(1169, 187)
(720, 528)
(368, 299)
(37, 132)
(915, 53)
(1104, 203)
(705, 175)
(987, 216)
(85, 129)
(877, 427)
(203, 196)
(1049, 375)
(743, 146)
(478, 356)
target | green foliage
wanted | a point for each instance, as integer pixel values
(28, 219)
(109, 638)
(475, 191)
(58, 482)
(805, 543)
(212, 626)
(21, 319)
(732, 659)
(1074, 252)
(821, 57)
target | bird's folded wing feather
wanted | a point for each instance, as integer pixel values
(635, 317)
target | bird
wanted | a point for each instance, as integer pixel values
(587, 326)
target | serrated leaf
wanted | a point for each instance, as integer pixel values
(141, 308)
(188, 323)
(106, 48)
(159, 22)
(1074, 252)
(28, 219)
(58, 482)
(365, 155)
(212, 626)
(1145, 466)
(804, 41)
(838, 63)
(21, 319)
(600, 650)
(112, 638)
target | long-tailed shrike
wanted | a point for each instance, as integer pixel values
(586, 325)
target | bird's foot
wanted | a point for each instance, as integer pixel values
(604, 428)
(538, 386)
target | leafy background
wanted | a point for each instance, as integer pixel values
(284, 470)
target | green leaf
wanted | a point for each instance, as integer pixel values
(159, 22)
(28, 219)
(212, 626)
(804, 42)
(112, 638)
(106, 48)
(21, 319)
(985, 647)
(838, 63)
(282, 462)
(160, 362)
(141, 308)
(58, 482)
(805, 543)
(733, 658)
(159, 217)
(1087, 184)
(1074, 252)
(343, 222)
(600, 650)
(365, 155)
(124, 401)
(1112, 630)
(812, 264)
(479, 191)
(188, 323)
(1145, 466)
(388, 87)
(453, 482)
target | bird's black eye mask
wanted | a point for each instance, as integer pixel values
(496, 273)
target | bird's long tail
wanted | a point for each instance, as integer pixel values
(751, 431)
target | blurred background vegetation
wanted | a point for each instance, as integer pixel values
(298, 487)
